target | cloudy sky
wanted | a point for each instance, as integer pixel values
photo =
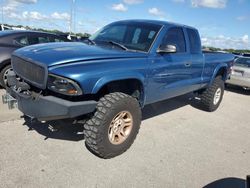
(222, 23)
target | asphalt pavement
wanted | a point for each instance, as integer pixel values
(178, 145)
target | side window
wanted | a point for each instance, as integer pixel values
(43, 40)
(22, 41)
(194, 41)
(175, 36)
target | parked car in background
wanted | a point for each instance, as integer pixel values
(75, 38)
(12, 39)
(242, 54)
(246, 55)
(5, 27)
(240, 73)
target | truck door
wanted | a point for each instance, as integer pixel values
(170, 73)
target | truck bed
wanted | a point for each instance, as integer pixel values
(213, 61)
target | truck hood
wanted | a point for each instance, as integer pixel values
(52, 54)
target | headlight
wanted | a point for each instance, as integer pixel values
(63, 86)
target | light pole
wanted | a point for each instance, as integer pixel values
(2, 11)
(71, 16)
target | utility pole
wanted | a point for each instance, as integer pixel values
(2, 11)
(74, 20)
(71, 16)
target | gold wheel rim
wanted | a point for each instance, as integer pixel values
(120, 127)
(217, 96)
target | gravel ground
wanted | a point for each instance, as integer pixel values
(178, 146)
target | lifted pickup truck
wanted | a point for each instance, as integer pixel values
(123, 67)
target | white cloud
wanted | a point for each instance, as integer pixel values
(178, 1)
(227, 42)
(13, 15)
(156, 12)
(26, 1)
(241, 18)
(80, 23)
(60, 16)
(33, 15)
(119, 7)
(11, 8)
(131, 2)
(241, 1)
(209, 3)
(8, 9)
(11, 5)
(91, 25)
(245, 39)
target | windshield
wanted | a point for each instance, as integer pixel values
(133, 36)
(243, 62)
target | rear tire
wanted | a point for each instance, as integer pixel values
(3, 75)
(212, 96)
(114, 126)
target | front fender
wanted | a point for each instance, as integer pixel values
(116, 77)
(4, 63)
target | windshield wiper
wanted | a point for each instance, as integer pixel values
(90, 41)
(117, 44)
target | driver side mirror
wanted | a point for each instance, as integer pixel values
(167, 49)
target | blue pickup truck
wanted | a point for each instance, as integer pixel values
(110, 78)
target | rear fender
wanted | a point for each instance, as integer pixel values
(223, 66)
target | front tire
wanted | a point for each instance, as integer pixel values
(3, 75)
(114, 126)
(212, 96)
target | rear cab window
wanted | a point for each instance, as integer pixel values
(194, 41)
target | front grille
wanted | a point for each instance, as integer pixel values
(30, 72)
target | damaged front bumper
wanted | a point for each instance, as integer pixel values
(45, 108)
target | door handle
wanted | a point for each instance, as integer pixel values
(188, 64)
